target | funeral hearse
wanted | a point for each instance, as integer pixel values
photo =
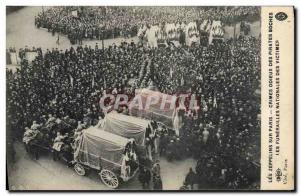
(112, 156)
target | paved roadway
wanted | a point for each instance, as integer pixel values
(21, 32)
(46, 174)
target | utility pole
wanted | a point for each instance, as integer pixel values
(102, 38)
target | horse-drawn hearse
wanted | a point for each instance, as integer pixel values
(143, 131)
(127, 126)
(112, 156)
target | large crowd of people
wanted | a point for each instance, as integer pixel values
(111, 22)
(62, 85)
(57, 95)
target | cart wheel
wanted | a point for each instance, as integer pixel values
(79, 169)
(109, 178)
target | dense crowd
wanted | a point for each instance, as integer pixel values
(65, 86)
(111, 22)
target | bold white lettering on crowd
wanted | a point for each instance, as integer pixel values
(137, 101)
(118, 102)
(182, 98)
(103, 98)
(165, 100)
(151, 100)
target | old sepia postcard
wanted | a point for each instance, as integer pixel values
(165, 98)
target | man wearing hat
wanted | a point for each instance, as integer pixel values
(170, 152)
(190, 178)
